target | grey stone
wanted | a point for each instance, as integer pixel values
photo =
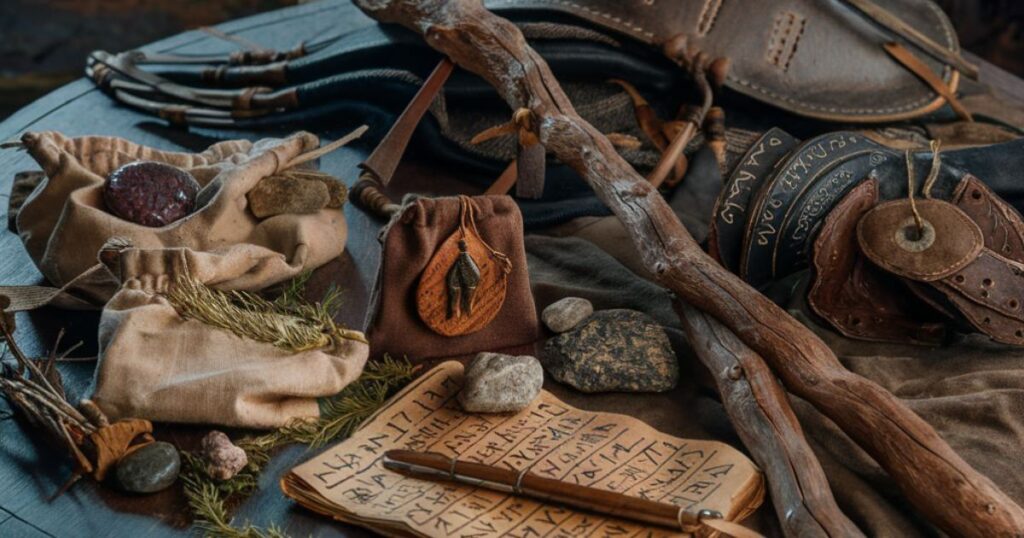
(149, 469)
(613, 351)
(564, 314)
(496, 383)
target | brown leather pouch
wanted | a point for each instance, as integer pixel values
(968, 251)
(410, 242)
(856, 297)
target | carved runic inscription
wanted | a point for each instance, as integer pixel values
(549, 438)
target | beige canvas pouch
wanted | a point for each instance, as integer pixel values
(158, 364)
(156, 361)
(64, 223)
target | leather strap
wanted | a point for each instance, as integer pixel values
(381, 164)
(120, 72)
(993, 282)
(505, 181)
(927, 45)
(785, 186)
(917, 67)
(1000, 224)
(725, 235)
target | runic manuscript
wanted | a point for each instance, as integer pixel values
(551, 438)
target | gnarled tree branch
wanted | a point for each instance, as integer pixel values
(931, 475)
(764, 420)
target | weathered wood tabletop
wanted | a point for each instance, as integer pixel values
(29, 471)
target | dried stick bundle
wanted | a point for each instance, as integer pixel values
(37, 392)
(932, 476)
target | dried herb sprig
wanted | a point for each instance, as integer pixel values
(211, 500)
(289, 324)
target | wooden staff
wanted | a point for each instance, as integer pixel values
(760, 412)
(931, 475)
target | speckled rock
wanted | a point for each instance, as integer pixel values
(149, 469)
(496, 383)
(282, 194)
(613, 351)
(223, 458)
(150, 193)
(337, 192)
(564, 314)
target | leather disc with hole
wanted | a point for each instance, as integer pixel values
(888, 236)
(432, 292)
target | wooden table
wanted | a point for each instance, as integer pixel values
(29, 472)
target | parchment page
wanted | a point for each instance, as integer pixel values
(551, 438)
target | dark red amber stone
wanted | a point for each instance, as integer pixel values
(150, 193)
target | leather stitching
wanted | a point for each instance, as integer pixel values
(632, 25)
(785, 38)
(708, 16)
(618, 22)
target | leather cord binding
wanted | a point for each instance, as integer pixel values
(706, 73)
(529, 162)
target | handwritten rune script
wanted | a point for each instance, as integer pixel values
(551, 438)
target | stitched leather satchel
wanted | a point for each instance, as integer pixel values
(821, 59)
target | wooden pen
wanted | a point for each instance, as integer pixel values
(434, 466)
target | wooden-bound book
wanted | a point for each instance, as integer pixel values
(549, 438)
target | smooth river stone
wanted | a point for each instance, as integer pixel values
(149, 469)
(613, 351)
(150, 193)
(496, 383)
(564, 314)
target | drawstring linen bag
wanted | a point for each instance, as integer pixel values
(217, 355)
(175, 349)
(64, 223)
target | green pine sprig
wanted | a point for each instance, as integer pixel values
(211, 500)
(290, 322)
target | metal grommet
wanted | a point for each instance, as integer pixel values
(912, 239)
